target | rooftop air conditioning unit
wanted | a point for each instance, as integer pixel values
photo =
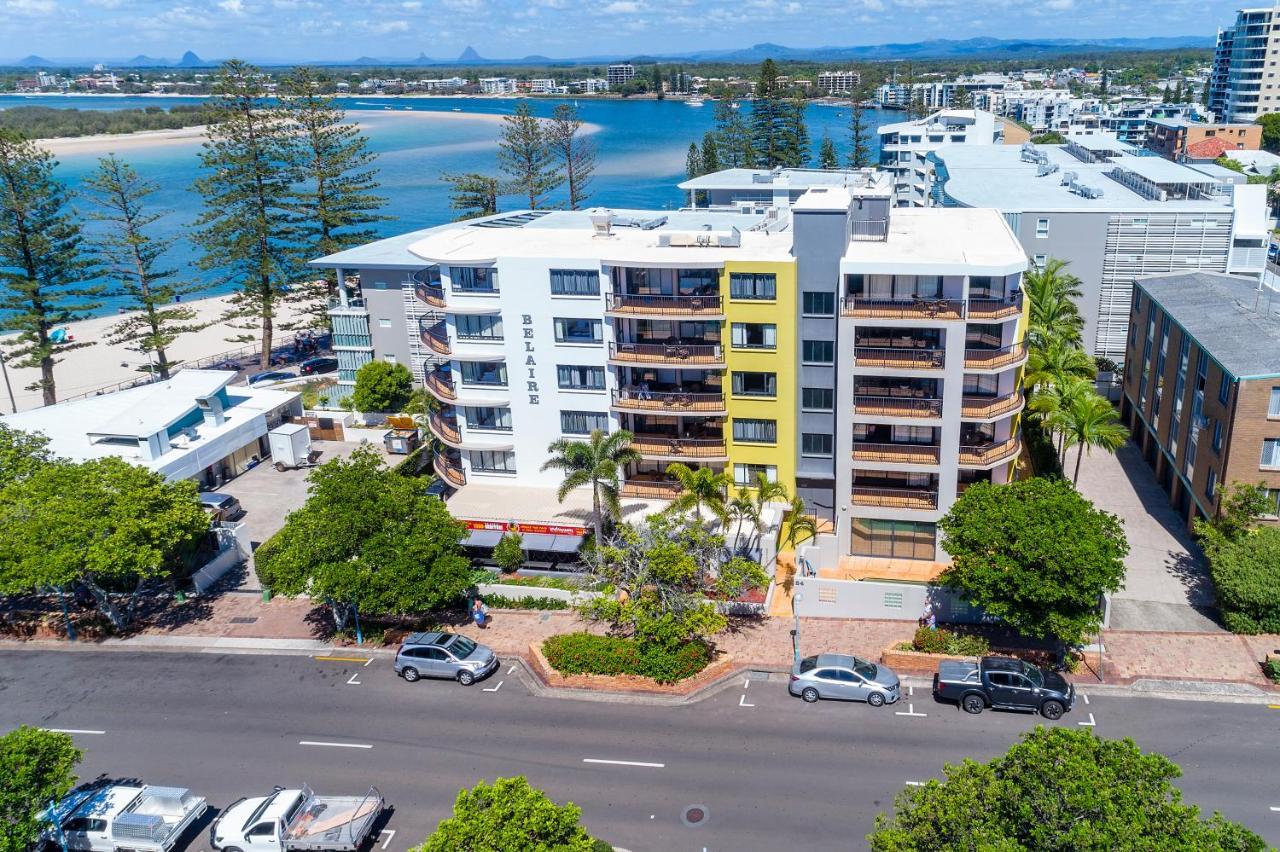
(601, 222)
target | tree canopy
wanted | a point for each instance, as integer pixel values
(21, 454)
(382, 386)
(1246, 575)
(509, 815)
(39, 767)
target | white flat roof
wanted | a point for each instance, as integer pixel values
(764, 179)
(945, 238)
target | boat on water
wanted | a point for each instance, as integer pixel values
(735, 105)
(457, 109)
(694, 102)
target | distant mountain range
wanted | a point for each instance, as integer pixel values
(974, 48)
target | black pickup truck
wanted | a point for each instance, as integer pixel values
(1005, 683)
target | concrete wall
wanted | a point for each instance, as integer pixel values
(825, 598)
(233, 539)
(1080, 238)
(384, 299)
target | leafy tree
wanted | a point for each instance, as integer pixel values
(1246, 575)
(575, 152)
(859, 137)
(1053, 137)
(131, 256)
(827, 158)
(21, 454)
(733, 137)
(1058, 790)
(962, 99)
(39, 768)
(102, 525)
(509, 816)
(657, 82)
(1270, 131)
(526, 158)
(693, 161)
(41, 261)
(368, 541)
(1035, 554)
(382, 386)
(1239, 509)
(593, 462)
(248, 229)
(509, 552)
(710, 156)
(700, 489)
(337, 201)
(1059, 393)
(472, 194)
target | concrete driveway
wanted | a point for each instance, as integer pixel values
(1167, 585)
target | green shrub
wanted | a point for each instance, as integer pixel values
(1271, 668)
(935, 640)
(587, 653)
(670, 665)
(509, 551)
(569, 584)
(501, 602)
(1044, 458)
(1246, 573)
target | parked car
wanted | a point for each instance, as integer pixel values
(221, 507)
(316, 366)
(444, 655)
(296, 820)
(1005, 683)
(1273, 252)
(271, 377)
(845, 677)
(120, 817)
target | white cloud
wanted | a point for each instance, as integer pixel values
(792, 8)
(1060, 5)
(30, 8)
(621, 7)
(411, 5)
(235, 7)
(385, 27)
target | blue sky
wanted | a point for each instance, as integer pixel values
(344, 29)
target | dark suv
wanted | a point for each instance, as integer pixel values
(1005, 683)
(444, 655)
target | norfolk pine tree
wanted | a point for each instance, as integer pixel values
(248, 228)
(42, 266)
(859, 145)
(769, 120)
(693, 161)
(472, 194)
(827, 158)
(525, 156)
(709, 157)
(574, 151)
(732, 138)
(131, 258)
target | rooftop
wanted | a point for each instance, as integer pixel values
(1230, 317)
(757, 179)
(923, 237)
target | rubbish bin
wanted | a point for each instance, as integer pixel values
(266, 595)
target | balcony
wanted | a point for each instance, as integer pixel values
(896, 453)
(899, 358)
(450, 470)
(430, 294)
(669, 448)
(436, 338)
(874, 405)
(988, 455)
(441, 385)
(991, 407)
(668, 402)
(646, 489)
(870, 230)
(916, 308)
(895, 498)
(445, 428)
(996, 359)
(671, 354)
(996, 309)
(630, 305)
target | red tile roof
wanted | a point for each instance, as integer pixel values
(1209, 149)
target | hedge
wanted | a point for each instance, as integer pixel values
(1246, 574)
(587, 653)
(935, 640)
(502, 602)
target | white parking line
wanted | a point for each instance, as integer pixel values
(1276, 809)
(390, 833)
(1086, 699)
(910, 711)
(911, 690)
(746, 683)
(742, 701)
(496, 688)
(352, 681)
(73, 731)
(623, 762)
(1089, 724)
(366, 665)
(512, 669)
(333, 745)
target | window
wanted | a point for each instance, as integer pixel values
(755, 384)
(580, 378)
(818, 304)
(583, 422)
(474, 279)
(493, 461)
(1224, 388)
(579, 330)
(1273, 409)
(749, 474)
(816, 444)
(1271, 452)
(1211, 484)
(478, 327)
(1217, 436)
(893, 539)
(818, 399)
(1042, 228)
(755, 431)
(484, 373)
(754, 335)
(488, 417)
(753, 285)
(575, 282)
(383, 322)
(818, 352)
(1039, 261)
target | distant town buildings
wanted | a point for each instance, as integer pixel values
(1179, 139)
(619, 75)
(905, 147)
(838, 82)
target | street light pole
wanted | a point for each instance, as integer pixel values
(4, 370)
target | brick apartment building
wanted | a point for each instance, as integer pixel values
(1177, 138)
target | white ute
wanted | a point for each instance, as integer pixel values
(299, 820)
(124, 818)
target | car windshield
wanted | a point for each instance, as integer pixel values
(1033, 674)
(808, 664)
(864, 669)
(461, 647)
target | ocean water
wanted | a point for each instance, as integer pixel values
(641, 147)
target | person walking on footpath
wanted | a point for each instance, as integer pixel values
(480, 613)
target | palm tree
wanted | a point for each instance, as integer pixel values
(1056, 396)
(800, 526)
(701, 488)
(1057, 363)
(1089, 421)
(1054, 315)
(762, 494)
(742, 508)
(593, 462)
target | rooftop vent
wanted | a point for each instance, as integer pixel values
(601, 222)
(705, 239)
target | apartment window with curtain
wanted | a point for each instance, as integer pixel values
(572, 377)
(753, 285)
(579, 330)
(1271, 453)
(755, 384)
(1273, 407)
(478, 327)
(818, 399)
(1042, 229)
(1211, 484)
(818, 304)
(491, 461)
(1217, 437)
(754, 335)
(583, 422)
(818, 352)
(893, 539)
(748, 474)
(575, 282)
(1224, 388)
(473, 279)
(484, 373)
(817, 444)
(492, 418)
(750, 431)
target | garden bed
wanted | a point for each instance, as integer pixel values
(720, 665)
(915, 662)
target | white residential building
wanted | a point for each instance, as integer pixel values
(839, 82)
(620, 75)
(497, 85)
(1243, 84)
(442, 84)
(905, 147)
(541, 86)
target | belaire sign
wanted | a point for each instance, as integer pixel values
(525, 527)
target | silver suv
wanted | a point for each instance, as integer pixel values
(445, 655)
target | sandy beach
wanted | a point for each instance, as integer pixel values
(102, 364)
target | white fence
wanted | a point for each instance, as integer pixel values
(233, 549)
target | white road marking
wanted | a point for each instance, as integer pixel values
(746, 683)
(910, 711)
(366, 665)
(742, 702)
(512, 669)
(623, 762)
(333, 745)
(352, 681)
(496, 688)
(73, 731)
(1089, 724)
(911, 690)
(1085, 697)
(1276, 809)
(390, 833)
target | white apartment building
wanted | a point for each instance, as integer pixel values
(757, 190)
(441, 84)
(619, 75)
(542, 86)
(905, 147)
(1244, 84)
(497, 85)
(839, 82)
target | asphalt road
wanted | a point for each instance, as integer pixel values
(769, 771)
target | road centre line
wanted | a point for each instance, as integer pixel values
(333, 745)
(73, 731)
(623, 762)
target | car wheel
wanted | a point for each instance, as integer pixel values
(810, 695)
(409, 673)
(875, 699)
(973, 704)
(1052, 710)
(230, 849)
(466, 678)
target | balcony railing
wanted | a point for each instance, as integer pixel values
(989, 309)
(985, 454)
(670, 402)
(666, 447)
(987, 407)
(896, 453)
(666, 353)
(437, 339)
(650, 490)
(995, 359)
(431, 295)
(895, 498)
(446, 429)
(656, 305)
(440, 385)
(870, 229)
(916, 308)
(894, 406)
(450, 470)
(902, 358)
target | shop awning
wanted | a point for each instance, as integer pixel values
(551, 543)
(483, 538)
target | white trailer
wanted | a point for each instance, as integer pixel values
(290, 445)
(124, 818)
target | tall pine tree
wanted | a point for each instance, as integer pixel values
(770, 120)
(795, 134)
(693, 162)
(827, 158)
(526, 158)
(473, 195)
(710, 154)
(42, 268)
(732, 137)
(859, 138)
(574, 151)
(248, 229)
(131, 258)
